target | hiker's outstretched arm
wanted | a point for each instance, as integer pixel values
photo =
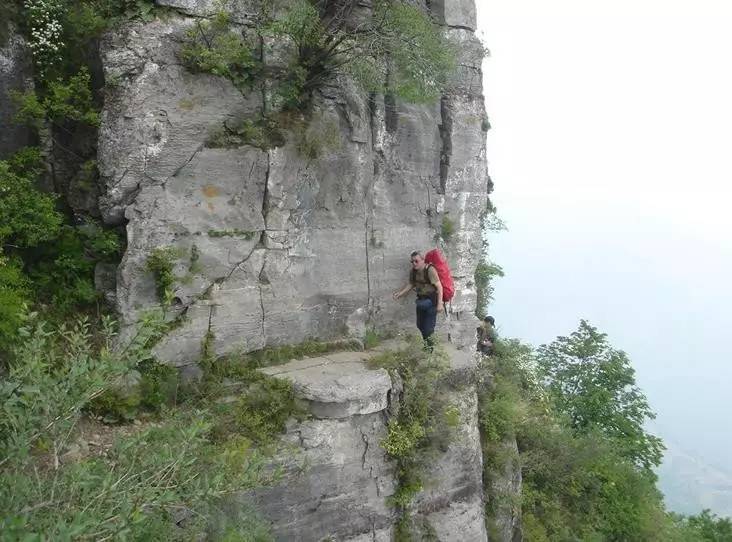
(404, 291)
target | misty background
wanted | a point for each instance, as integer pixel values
(610, 154)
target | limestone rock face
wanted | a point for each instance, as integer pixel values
(15, 75)
(337, 478)
(274, 247)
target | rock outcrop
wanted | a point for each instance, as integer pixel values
(274, 247)
(337, 479)
(271, 247)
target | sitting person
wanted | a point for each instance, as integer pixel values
(486, 336)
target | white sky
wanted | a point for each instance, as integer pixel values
(610, 154)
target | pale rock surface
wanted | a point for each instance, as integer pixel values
(337, 478)
(285, 248)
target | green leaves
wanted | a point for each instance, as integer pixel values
(594, 385)
(68, 99)
(419, 59)
(27, 215)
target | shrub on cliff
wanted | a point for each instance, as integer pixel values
(156, 481)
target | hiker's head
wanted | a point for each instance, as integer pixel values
(417, 260)
(490, 320)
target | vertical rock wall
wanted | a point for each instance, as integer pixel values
(337, 479)
(274, 247)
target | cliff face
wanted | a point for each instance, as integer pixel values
(276, 247)
(272, 247)
(337, 479)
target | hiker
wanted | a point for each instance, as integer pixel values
(426, 282)
(487, 336)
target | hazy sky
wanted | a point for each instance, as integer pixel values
(611, 154)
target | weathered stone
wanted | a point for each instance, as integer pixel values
(16, 74)
(337, 385)
(337, 478)
(241, 11)
(455, 13)
(307, 239)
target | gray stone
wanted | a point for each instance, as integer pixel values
(337, 385)
(274, 247)
(16, 74)
(455, 13)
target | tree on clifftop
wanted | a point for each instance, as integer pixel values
(594, 385)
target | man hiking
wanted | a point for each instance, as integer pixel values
(487, 336)
(426, 282)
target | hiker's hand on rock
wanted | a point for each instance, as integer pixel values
(395, 295)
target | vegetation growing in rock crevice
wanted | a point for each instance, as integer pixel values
(294, 49)
(423, 424)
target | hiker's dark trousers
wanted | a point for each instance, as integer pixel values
(426, 316)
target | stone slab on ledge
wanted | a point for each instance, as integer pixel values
(340, 384)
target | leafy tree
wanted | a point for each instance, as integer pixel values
(711, 527)
(396, 49)
(27, 215)
(594, 385)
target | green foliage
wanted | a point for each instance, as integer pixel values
(594, 385)
(447, 229)
(62, 270)
(27, 216)
(133, 489)
(416, 56)
(424, 421)
(160, 263)
(399, 51)
(263, 404)
(577, 484)
(485, 272)
(706, 526)
(46, 261)
(214, 46)
(64, 100)
(14, 297)
(261, 412)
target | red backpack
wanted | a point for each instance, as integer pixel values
(434, 257)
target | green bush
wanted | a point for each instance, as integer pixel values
(485, 272)
(135, 488)
(65, 100)
(27, 215)
(425, 421)
(214, 46)
(14, 297)
(447, 229)
(160, 263)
